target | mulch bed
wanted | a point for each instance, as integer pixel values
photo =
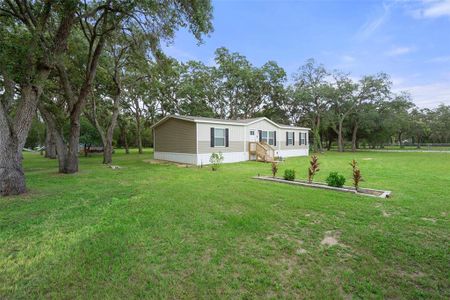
(319, 185)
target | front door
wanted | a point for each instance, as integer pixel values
(253, 135)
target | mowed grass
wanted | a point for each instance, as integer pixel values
(164, 231)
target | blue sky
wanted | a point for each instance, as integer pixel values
(409, 40)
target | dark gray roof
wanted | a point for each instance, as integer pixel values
(193, 118)
(241, 121)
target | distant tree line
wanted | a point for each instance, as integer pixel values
(339, 109)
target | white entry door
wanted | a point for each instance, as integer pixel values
(253, 135)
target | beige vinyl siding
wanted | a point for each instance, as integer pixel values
(236, 138)
(177, 136)
(234, 146)
(281, 134)
(263, 125)
(296, 145)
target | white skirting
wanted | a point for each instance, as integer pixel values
(293, 152)
(200, 159)
(228, 157)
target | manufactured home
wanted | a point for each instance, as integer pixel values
(192, 140)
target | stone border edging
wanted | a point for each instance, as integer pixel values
(347, 189)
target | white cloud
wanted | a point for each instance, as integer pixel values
(440, 59)
(348, 58)
(344, 62)
(372, 25)
(396, 51)
(398, 81)
(427, 95)
(432, 9)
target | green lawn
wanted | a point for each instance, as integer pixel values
(164, 231)
(424, 147)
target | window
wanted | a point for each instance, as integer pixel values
(271, 138)
(268, 137)
(264, 136)
(302, 138)
(290, 138)
(252, 132)
(219, 137)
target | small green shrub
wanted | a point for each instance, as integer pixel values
(216, 160)
(289, 174)
(335, 179)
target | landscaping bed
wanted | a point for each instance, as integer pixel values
(319, 185)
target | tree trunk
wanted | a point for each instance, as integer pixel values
(50, 145)
(317, 146)
(139, 139)
(138, 127)
(73, 146)
(400, 142)
(67, 153)
(108, 147)
(354, 136)
(12, 178)
(123, 137)
(125, 141)
(107, 152)
(340, 137)
(13, 135)
(61, 147)
(329, 144)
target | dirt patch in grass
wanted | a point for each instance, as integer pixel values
(207, 255)
(432, 220)
(165, 162)
(413, 275)
(329, 241)
(331, 238)
(301, 251)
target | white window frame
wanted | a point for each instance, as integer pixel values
(290, 140)
(224, 137)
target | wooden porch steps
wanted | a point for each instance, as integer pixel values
(261, 151)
